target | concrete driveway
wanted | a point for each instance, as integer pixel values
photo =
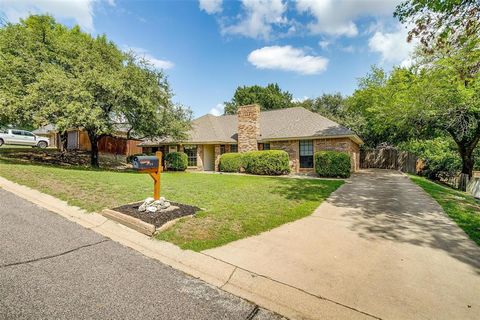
(380, 245)
(52, 268)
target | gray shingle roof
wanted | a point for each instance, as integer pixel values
(278, 124)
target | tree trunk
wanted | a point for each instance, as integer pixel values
(466, 154)
(467, 162)
(63, 141)
(94, 152)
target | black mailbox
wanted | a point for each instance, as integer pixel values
(145, 162)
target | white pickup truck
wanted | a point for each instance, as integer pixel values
(23, 138)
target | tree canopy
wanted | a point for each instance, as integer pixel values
(439, 96)
(269, 98)
(59, 75)
(438, 23)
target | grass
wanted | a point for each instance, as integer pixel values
(459, 206)
(233, 206)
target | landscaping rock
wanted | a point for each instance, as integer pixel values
(151, 205)
(145, 204)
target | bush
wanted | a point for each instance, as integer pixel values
(440, 157)
(231, 162)
(332, 164)
(176, 161)
(269, 162)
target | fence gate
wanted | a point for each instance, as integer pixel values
(388, 158)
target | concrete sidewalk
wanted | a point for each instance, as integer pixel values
(380, 246)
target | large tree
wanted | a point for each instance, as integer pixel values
(269, 98)
(440, 23)
(54, 74)
(438, 97)
(332, 106)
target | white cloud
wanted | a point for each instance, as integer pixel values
(211, 6)
(155, 62)
(218, 110)
(324, 44)
(287, 58)
(349, 49)
(337, 17)
(81, 11)
(392, 46)
(258, 18)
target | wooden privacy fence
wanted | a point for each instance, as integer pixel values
(389, 158)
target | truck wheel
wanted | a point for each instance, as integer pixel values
(42, 144)
(1, 142)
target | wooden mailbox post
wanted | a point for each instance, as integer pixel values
(156, 176)
(152, 166)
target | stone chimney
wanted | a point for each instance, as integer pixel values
(248, 127)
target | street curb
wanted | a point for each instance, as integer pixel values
(263, 291)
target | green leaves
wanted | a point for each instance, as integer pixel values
(52, 74)
(269, 98)
(440, 23)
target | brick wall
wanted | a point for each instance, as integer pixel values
(200, 157)
(248, 127)
(217, 157)
(340, 144)
(335, 144)
(291, 147)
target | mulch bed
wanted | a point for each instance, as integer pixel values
(158, 218)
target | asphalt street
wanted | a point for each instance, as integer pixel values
(52, 268)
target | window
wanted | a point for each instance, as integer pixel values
(28, 134)
(264, 146)
(172, 149)
(234, 148)
(17, 132)
(191, 152)
(222, 149)
(306, 154)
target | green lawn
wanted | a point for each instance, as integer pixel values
(233, 206)
(460, 206)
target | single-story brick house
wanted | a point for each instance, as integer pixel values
(77, 139)
(298, 131)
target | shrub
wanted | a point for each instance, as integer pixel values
(176, 161)
(269, 162)
(440, 157)
(332, 164)
(231, 162)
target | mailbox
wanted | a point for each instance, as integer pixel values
(153, 166)
(145, 162)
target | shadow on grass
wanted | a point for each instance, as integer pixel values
(305, 189)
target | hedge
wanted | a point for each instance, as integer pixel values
(231, 162)
(176, 161)
(332, 164)
(268, 162)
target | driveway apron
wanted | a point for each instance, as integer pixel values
(379, 245)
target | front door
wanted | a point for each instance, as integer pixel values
(208, 157)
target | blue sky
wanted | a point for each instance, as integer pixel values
(209, 47)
